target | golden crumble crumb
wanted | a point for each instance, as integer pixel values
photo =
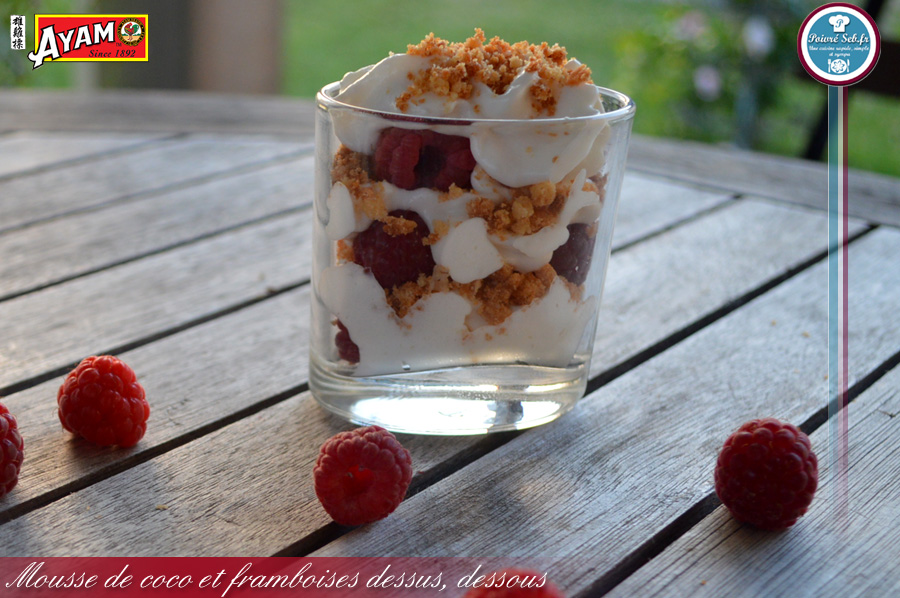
(344, 251)
(453, 193)
(441, 228)
(440, 279)
(542, 194)
(456, 67)
(352, 169)
(396, 226)
(506, 288)
(531, 209)
(402, 298)
(494, 296)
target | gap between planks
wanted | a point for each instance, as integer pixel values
(84, 178)
(646, 451)
(635, 229)
(812, 541)
(693, 516)
(149, 228)
(130, 144)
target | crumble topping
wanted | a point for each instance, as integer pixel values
(495, 295)
(457, 66)
(530, 209)
(352, 169)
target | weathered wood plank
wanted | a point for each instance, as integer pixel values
(109, 235)
(874, 197)
(95, 240)
(826, 553)
(155, 111)
(210, 486)
(25, 151)
(44, 477)
(640, 451)
(110, 178)
(207, 498)
(649, 204)
(192, 379)
(698, 268)
(60, 325)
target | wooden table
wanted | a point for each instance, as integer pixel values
(173, 230)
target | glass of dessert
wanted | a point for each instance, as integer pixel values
(464, 208)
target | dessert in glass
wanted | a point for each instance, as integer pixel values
(464, 208)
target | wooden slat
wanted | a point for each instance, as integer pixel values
(25, 151)
(60, 325)
(113, 177)
(245, 507)
(192, 379)
(212, 485)
(155, 111)
(78, 299)
(698, 268)
(639, 452)
(123, 231)
(641, 196)
(874, 197)
(649, 204)
(829, 552)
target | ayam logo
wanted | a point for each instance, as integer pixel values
(89, 38)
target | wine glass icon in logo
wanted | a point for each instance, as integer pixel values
(838, 66)
(131, 32)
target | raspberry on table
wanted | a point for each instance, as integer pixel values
(767, 474)
(500, 580)
(11, 451)
(394, 259)
(411, 159)
(572, 259)
(101, 401)
(347, 349)
(362, 475)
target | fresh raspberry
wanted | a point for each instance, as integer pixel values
(767, 474)
(362, 475)
(102, 402)
(422, 158)
(509, 582)
(394, 260)
(347, 349)
(11, 451)
(572, 259)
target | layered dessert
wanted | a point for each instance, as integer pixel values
(465, 202)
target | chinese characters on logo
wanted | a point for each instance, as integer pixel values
(17, 32)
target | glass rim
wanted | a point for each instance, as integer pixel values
(325, 98)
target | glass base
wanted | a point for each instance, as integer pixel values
(455, 401)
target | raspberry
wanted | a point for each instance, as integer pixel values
(102, 402)
(413, 159)
(11, 451)
(362, 475)
(572, 259)
(347, 349)
(397, 259)
(512, 583)
(767, 474)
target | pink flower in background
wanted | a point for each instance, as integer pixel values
(708, 82)
(691, 26)
(759, 39)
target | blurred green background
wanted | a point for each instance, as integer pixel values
(717, 71)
